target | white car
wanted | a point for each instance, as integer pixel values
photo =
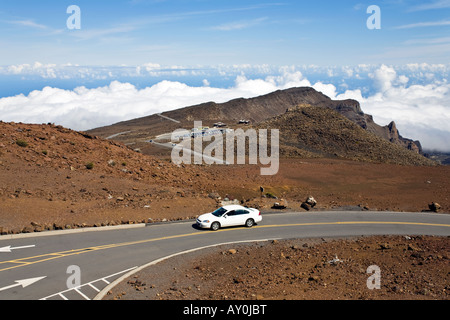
(227, 216)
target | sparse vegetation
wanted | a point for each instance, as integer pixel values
(90, 165)
(327, 133)
(270, 195)
(22, 143)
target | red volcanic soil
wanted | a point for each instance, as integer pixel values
(410, 268)
(55, 178)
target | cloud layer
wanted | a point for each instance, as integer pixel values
(421, 111)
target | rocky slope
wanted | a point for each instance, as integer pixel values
(54, 178)
(323, 132)
(255, 110)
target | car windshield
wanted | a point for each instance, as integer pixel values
(219, 212)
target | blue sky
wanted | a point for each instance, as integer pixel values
(132, 58)
(211, 32)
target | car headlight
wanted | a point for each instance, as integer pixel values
(205, 221)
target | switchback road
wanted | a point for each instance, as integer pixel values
(79, 264)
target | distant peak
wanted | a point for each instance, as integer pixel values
(392, 126)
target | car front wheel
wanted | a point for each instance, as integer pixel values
(249, 223)
(215, 226)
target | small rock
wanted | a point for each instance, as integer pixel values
(413, 248)
(232, 251)
(214, 195)
(313, 278)
(334, 261)
(311, 201)
(238, 280)
(27, 229)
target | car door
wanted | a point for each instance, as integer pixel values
(241, 216)
(231, 219)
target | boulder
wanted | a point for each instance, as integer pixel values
(214, 195)
(305, 206)
(282, 204)
(3, 231)
(309, 203)
(435, 207)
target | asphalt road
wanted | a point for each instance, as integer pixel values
(79, 265)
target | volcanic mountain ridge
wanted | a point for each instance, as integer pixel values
(309, 132)
(255, 110)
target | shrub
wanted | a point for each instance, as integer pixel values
(21, 143)
(90, 166)
(271, 195)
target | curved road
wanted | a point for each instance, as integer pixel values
(78, 265)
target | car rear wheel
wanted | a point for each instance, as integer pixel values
(215, 226)
(249, 223)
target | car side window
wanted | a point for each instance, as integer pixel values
(241, 211)
(231, 213)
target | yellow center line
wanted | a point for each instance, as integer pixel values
(16, 263)
(51, 256)
(353, 222)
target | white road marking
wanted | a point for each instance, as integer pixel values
(89, 284)
(24, 283)
(9, 248)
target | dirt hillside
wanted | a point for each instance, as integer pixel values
(55, 178)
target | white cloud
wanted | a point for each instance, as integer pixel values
(421, 112)
(425, 24)
(438, 4)
(84, 108)
(238, 25)
(45, 71)
(28, 23)
(384, 78)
